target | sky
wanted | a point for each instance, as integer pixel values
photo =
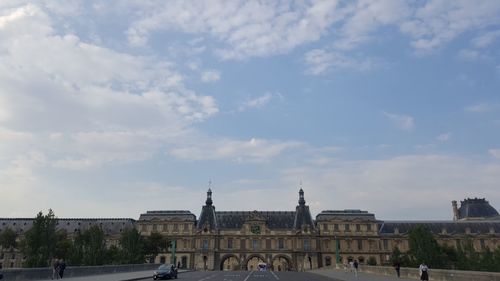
(113, 108)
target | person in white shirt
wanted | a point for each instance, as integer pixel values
(424, 275)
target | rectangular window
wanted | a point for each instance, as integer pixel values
(325, 227)
(360, 244)
(326, 244)
(205, 244)
(482, 244)
(230, 243)
(255, 244)
(336, 227)
(386, 244)
(268, 244)
(281, 244)
(243, 243)
(155, 227)
(346, 227)
(165, 227)
(358, 227)
(369, 227)
(307, 245)
(176, 227)
(186, 227)
(143, 228)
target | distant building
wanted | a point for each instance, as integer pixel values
(292, 240)
(284, 240)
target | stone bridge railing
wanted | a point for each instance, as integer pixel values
(434, 274)
(72, 271)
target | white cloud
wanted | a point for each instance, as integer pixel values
(495, 153)
(94, 104)
(486, 39)
(247, 28)
(320, 61)
(444, 137)
(259, 102)
(482, 107)
(365, 16)
(210, 76)
(253, 150)
(437, 22)
(404, 183)
(403, 122)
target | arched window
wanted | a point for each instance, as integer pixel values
(328, 261)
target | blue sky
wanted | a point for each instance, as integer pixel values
(112, 108)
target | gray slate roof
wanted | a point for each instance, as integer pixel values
(111, 226)
(181, 215)
(345, 215)
(274, 219)
(436, 227)
(476, 208)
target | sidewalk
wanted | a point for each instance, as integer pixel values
(126, 276)
(349, 276)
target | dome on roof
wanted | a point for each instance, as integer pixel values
(476, 208)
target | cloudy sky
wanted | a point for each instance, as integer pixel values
(112, 108)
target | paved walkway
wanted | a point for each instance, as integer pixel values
(349, 276)
(126, 276)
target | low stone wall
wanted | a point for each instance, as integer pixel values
(434, 274)
(73, 271)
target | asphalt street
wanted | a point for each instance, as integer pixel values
(251, 276)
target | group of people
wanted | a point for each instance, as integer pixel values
(423, 271)
(58, 268)
(352, 266)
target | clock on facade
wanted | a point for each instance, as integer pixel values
(255, 229)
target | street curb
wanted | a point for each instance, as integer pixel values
(151, 276)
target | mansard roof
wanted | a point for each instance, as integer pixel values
(181, 215)
(437, 227)
(110, 226)
(273, 219)
(345, 215)
(476, 208)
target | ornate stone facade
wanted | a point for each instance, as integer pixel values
(292, 240)
(284, 240)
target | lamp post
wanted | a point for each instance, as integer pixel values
(337, 255)
(172, 258)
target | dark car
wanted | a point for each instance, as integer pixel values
(1, 275)
(165, 271)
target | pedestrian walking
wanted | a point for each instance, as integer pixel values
(356, 264)
(62, 267)
(424, 275)
(55, 269)
(397, 267)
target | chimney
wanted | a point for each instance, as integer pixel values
(455, 210)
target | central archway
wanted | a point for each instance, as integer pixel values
(253, 261)
(281, 263)
(230, 262)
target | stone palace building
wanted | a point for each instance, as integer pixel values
(284, 240)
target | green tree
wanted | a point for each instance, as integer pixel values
(132, 247)
(372, 261)
(39, 244)
(424, 248)
(402, 258)
(8, 239)
(155, 243)
(63, 244)
(89, 247)
(468, 257)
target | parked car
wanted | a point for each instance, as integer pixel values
(165, 271)
(1, 275)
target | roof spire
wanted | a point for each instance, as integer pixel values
(302, 201)
(209, 201)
